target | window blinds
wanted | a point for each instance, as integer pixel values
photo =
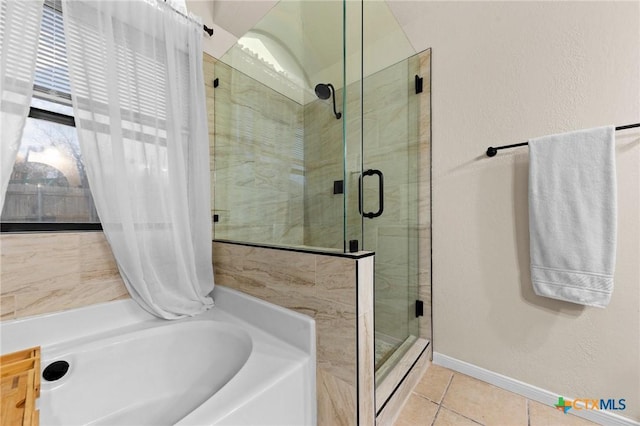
(52, 76)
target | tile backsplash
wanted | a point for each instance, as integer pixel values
(48, 272)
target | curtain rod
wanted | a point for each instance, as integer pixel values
(207, 30)
(492, 151)
(58, 7)
(204, 27)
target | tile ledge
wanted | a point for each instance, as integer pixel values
(302, 249)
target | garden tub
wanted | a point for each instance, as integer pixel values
(244, 362)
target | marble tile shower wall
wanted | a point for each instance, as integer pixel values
(337, 293)
(323, 154)
(258, 162)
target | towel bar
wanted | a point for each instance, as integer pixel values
(492, 151)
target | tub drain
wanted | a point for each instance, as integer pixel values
(55, 371)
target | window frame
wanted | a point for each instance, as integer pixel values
(24, 227)
(58, 118)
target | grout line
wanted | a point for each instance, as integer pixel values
(528, 415)
(452, 410)
(436, 416)
(446, 389)
(466, 417)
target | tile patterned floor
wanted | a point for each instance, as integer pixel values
(444, 397)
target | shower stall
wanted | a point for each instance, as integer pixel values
(322, 140)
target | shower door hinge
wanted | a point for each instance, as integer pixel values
(419, 308)
(216, 83)
(418, 84)
(338, 187)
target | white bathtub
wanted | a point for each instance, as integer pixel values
(245, 362)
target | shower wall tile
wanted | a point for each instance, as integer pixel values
(323, 287)
(70, 297)
(48, 272)
(258, 161)
(39, 262)
(396, 280)
(7, 307)
(395, 245)
(334, 278)
(324, 236)
(96, 259)
(336, 339)
(323, 160)
(366, 344)
(338, 404)
(295, 272)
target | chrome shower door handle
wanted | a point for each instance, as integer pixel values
(372, 172)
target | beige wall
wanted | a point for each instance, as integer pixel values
(504, 72)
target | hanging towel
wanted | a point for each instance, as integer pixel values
(572, 215)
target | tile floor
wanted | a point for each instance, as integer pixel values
(444, 397)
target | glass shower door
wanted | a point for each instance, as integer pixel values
(389, 206)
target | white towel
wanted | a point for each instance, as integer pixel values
(572, 215)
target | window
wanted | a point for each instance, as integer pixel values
(48, 189)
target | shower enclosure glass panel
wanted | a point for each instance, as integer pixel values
(279, 152)
(293, 169)
(394, 217)
(390, 205)
(259, 162)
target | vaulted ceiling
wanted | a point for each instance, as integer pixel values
(304, 38)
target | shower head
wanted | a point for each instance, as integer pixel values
(324, 91)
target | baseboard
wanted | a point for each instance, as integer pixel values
(528, 391)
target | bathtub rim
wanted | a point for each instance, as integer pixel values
(292, 327)
(269, 325)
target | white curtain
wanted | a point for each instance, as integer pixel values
(138, 95)
(19, 33)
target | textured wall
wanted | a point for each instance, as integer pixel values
(50, 272)
(504, 72)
